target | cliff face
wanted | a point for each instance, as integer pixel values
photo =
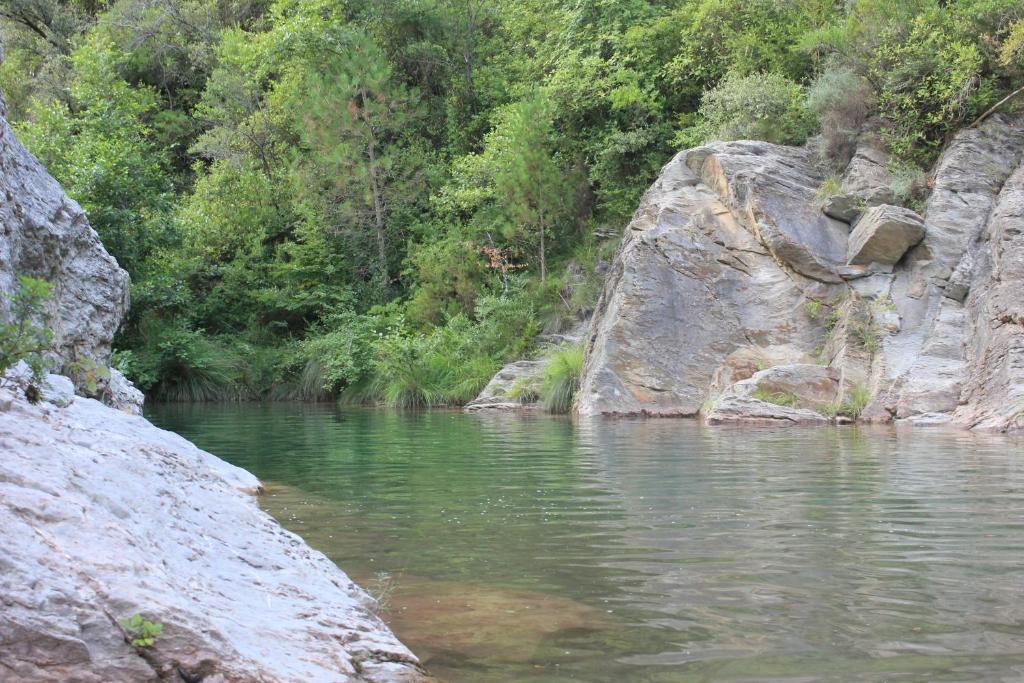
(736, 285)
(45, 234)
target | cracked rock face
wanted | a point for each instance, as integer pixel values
(729, 266)
(715, 261)
(45, 234)
(105, 516)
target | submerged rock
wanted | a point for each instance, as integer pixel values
(106, 516)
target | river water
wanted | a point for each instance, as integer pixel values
(509, 548)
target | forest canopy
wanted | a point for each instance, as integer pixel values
(387, 199)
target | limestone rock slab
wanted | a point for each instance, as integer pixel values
(883, 235)
(105, 516)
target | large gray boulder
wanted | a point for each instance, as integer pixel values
(105, 516)
(883, 235)
(724, 252)
(45, 234)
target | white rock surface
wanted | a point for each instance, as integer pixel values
(105, 516)
(120, 393)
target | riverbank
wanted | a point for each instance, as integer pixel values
(539, 548)
(107, 516)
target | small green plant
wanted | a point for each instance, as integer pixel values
(812, 307)
(832, 320)
(831, 187)
(24, 335)
(867, 336)
(779, 398)
(562, 378)
(142, 632)
(909, 185)
(856, 401)
(86, 374)
(885, 304)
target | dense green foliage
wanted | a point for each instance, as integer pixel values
(386, 200)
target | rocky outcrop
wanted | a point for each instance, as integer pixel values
(720, 259)
(512, 388)
(516, 386)
(795, 393)
(883, 235)
(864, 184)
(45, 234)
(106, 516)
(730, 266)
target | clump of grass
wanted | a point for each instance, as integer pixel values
(779, 398)
(909, 185)
(562, 378)
(813, 308)
(525, 391)
(855, 403)
(867, 336)
(831, 187)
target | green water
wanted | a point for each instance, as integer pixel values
(536, 549)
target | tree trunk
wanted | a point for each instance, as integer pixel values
(378, 202)
(378, 212)
(543, 255)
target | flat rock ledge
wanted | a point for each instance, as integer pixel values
(105, 516)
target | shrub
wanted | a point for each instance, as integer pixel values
(445, 367)
(841, 100)
(25, 335)
(909, 185)
(175, 363)
(562, 378)
(765, 106)
(141, 632)
(337, 354)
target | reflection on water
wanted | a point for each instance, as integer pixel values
(536, 549)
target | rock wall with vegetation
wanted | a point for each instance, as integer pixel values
(736, 294)
(390, 200)
(46, 235)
